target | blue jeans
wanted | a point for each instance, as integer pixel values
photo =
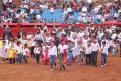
(52, 61)
(69, 57)
(18, 58)
(103, 58)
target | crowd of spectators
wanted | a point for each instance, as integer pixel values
(69, 11)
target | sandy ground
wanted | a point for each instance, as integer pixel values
(35, 72)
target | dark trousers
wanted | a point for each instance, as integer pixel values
(94, 57)
(32, 52)
(88, 59)
(38, 58)
(25, 59)
(3, 59)
(12, 60)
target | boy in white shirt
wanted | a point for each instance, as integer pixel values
(37, 51)
(25, 53)
(80, 53)
(88, 51)
(113, 50)
(107, 42)
(104, 51)
(19, 53)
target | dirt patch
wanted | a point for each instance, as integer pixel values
(41, 72)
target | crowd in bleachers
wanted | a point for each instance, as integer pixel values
(69, 11)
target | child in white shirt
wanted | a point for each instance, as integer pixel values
(88, 51)
(114, 47)
(25, 53)
(104, 53)
(19, 53)
(53, 55)
(37, 51)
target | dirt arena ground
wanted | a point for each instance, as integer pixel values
(34, 72)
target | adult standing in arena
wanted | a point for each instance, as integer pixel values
(21, 33)
(7, 34)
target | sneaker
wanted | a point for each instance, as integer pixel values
(3, 62)
(105, 64)
(51, 69)
(79, 63)
(102, 66)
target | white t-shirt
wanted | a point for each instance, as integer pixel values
(60, 47)
(19, 49)
(88, 50)
(95, 47)
(25, 51)
(119, 36)
(53, 51)
(104, 50)
(114, 36)
(37, 50)
(84, 9)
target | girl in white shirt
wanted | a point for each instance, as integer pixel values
(45, 51)
(53, 55)
(3, 51)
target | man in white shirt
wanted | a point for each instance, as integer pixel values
(95, 49)
(39, 37)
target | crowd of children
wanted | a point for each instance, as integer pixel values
(64, 44)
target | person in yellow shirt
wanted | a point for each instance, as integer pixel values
(11, 53)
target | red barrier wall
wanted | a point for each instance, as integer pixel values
(28, 27)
